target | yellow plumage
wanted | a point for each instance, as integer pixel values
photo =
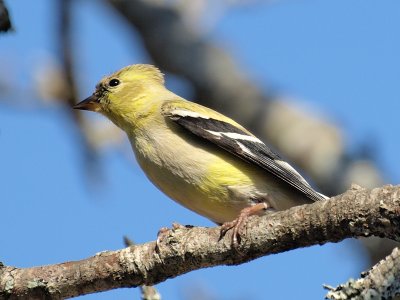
(192, 171)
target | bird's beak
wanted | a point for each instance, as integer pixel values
(91, 103)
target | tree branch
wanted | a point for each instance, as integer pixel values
(381, 282)
(148, 292)
(358, 212)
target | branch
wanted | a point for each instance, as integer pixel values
(358, 212)
(5, 22)
(381, 282)
(148, 292)
(70, 97)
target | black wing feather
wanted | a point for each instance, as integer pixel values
(259, 153)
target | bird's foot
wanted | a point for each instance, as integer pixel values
(240, 221)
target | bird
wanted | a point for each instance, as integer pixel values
(197, 156)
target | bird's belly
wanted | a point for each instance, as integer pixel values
(188, 183)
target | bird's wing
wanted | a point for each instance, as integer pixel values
(241, 143)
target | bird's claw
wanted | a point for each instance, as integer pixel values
(240, 221)
(236, 225)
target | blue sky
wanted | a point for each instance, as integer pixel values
(339, 57)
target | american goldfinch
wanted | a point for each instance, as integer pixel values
(198, 157)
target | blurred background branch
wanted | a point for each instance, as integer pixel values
(5, 22)
(68, 95)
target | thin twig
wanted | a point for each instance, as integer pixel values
(381, 282)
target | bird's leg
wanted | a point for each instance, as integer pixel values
(239, 222)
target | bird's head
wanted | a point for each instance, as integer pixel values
(125, 93)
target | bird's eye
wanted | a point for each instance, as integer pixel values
(114, 82)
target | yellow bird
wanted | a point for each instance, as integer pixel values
(198, 157)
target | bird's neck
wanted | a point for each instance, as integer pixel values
(142, 110)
